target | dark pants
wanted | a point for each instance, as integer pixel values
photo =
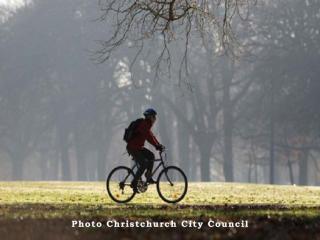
(144, 158)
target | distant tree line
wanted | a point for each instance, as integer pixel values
(247, 114)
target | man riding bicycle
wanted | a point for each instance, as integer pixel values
(140, 154)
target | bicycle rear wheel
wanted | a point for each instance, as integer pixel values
(119, 184)
(172, 184)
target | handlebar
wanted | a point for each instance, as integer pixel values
(162, 150)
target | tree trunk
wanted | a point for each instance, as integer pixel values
(303, 168)
(290, 168)
(271, 140)
(163, 129)
(81, 158)
(250, 166)
(194, 164)
(92, 166)
(183, 146)
(64, 153)
(228, 151)
(54, 162)
(17, 167)
(255, 168)
(17, 156)
(102, 158)
(254, 161)
(43, 165)
(228, 123)
(205, 163)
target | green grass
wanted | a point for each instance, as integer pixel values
(90, 200)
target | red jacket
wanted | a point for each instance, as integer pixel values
(143, 133)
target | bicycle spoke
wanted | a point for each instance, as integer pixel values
(119, 184)
(172, 184)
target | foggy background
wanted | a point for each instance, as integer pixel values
(253, 118)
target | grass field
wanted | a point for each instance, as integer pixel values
(32, 208)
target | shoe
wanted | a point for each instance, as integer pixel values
(134, 187)
(151, 181)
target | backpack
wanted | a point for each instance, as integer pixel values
(130, 131)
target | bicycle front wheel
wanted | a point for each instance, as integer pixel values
(119, 184)
(172, 184)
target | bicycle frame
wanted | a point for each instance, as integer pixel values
(162, 163)
(167, 174)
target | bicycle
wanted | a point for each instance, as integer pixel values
(172, 183)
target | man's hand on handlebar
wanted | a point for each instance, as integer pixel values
(160, 148)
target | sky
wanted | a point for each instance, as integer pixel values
(12, 5)
(8, 1)
(11, 2)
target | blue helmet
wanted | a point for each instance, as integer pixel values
(150, 112)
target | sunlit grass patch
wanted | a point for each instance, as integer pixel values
(89, 199)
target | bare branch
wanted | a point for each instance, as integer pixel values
(139, 21)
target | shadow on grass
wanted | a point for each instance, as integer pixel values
(153, 211)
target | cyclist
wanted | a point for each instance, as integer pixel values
(140, 154)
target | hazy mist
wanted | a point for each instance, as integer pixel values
(252, 117)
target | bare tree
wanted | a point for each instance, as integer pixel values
(136, 22)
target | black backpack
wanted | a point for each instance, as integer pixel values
(130, 132)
